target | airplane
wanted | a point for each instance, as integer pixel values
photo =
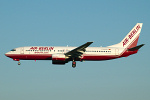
(62, 55)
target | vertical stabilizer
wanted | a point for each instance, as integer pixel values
(131, 38)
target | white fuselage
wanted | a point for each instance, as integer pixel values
(46, 52)
(62, 55)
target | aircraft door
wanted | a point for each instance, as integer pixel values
(22, 50)
(117, 52)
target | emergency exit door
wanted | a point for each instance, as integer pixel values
(22, 50)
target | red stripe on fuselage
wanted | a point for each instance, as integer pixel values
(85, 56)
(30, 56)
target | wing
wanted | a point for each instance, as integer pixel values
(78, 51)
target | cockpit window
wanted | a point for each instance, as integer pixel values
(13, 50)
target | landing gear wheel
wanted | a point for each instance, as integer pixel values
(19, 63)
(73, 64)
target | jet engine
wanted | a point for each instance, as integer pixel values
(59, 59)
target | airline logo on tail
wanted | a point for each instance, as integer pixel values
(131, 35)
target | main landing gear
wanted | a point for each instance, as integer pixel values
(73, 64)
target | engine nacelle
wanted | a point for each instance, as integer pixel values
(59, 59)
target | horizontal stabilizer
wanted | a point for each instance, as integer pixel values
(136, 48)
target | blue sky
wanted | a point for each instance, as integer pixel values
(73, 22)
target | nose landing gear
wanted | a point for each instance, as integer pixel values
(19, 63)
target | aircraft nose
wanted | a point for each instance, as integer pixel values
(6, 54)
